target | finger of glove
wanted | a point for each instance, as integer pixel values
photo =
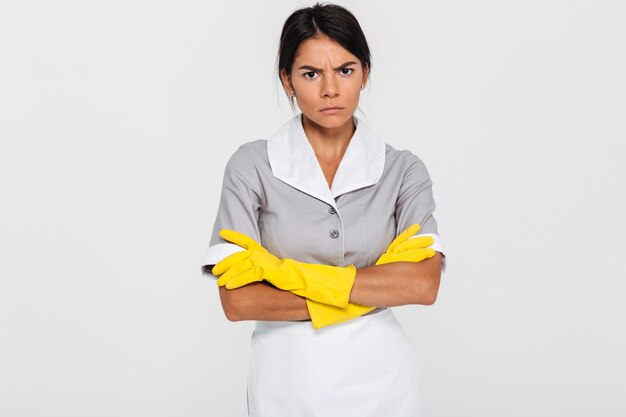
(415, 243)
(223, 265)
(243, 278)
(233, 271)
(404, 235)
(238, 238)
(386, 258)
(416, 255)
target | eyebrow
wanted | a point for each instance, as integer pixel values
(318, 69)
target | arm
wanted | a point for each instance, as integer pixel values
(388, 285)
(262, 301)
(398, 283)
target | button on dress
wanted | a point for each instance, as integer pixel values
(275, 192)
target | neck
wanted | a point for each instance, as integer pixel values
(328, 143)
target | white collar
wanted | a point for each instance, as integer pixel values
(293, 161)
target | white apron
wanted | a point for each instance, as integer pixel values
(365, 367)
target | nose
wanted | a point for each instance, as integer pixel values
(329, 87)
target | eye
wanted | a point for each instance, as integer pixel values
(306, 75)
(350, 71)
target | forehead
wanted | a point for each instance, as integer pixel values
(322, 49)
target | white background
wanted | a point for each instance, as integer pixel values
(116, 121)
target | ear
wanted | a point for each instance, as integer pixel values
(366, 73)
(286, 79)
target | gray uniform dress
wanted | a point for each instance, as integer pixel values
(275, 192)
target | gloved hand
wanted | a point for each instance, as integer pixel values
(405, 249)
(323, 283)
(402, 249)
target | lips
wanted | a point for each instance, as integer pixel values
(331, 110)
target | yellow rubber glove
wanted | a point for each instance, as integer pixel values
(405, 249)
(402, 249)
(324, 283)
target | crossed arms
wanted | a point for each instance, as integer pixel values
(388, 285)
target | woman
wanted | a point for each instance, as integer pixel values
(315, 238)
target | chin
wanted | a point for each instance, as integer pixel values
(330, 122)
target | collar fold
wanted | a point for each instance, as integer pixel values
(293, 161)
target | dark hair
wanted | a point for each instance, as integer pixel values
(331, 20)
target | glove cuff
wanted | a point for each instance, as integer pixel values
(323, 315)
(324, 283)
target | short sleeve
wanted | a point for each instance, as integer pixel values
(239, 207)
(416, 204)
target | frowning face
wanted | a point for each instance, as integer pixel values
(326, 79)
